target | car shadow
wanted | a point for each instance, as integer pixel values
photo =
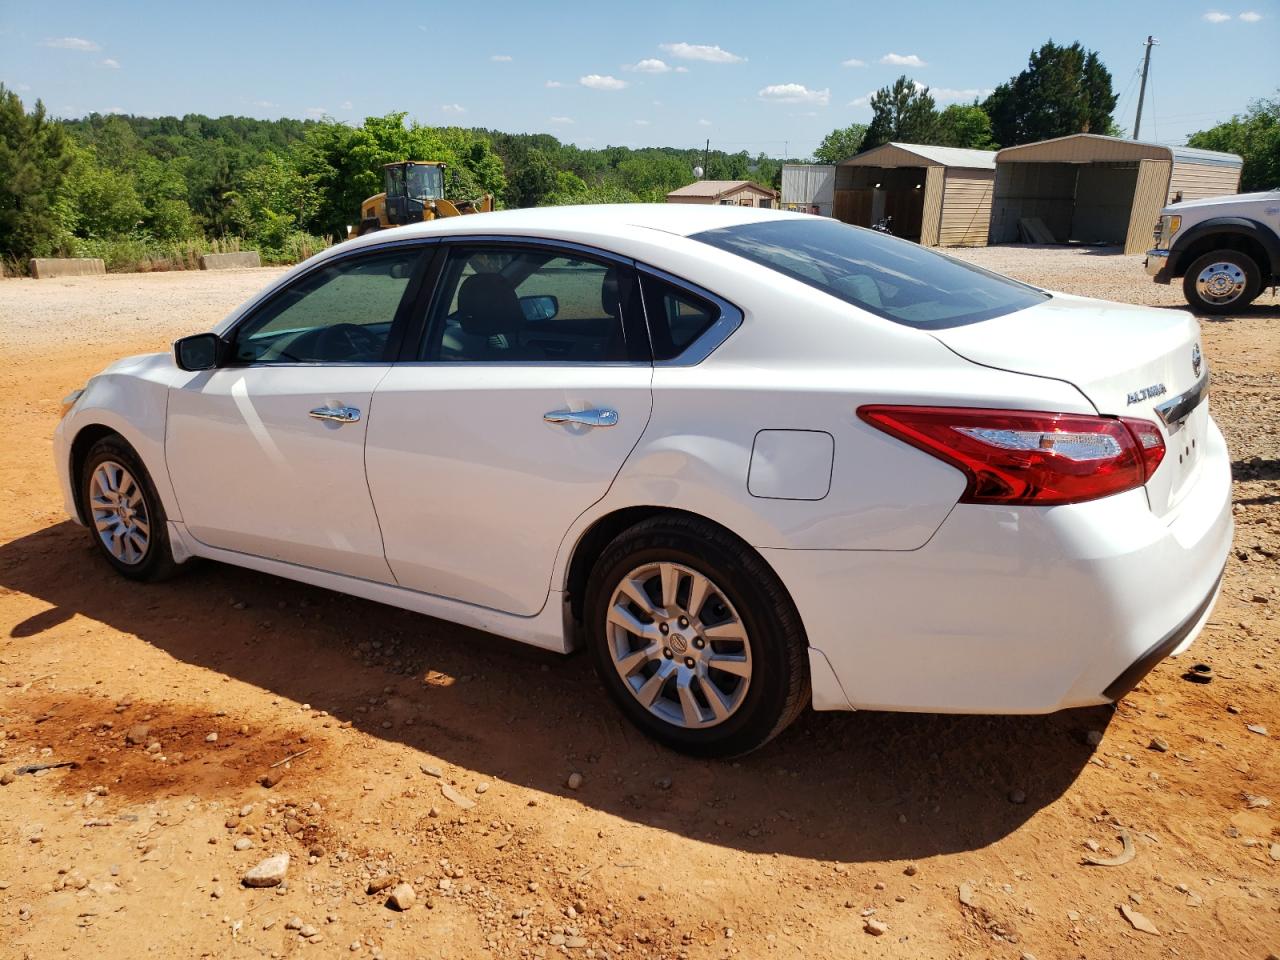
(1253, 310)
(849, 786)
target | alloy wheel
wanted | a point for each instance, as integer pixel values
(119, 512)
(679, 645)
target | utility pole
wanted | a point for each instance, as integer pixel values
(1142, 88)
(706, 157)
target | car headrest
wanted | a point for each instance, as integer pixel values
(609, 293)
(488, 305)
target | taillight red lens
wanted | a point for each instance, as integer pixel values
(1020, 456)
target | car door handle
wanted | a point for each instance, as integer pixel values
(336, 414)
(600, 417)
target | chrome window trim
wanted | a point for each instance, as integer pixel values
(709, 340)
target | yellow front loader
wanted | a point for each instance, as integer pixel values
(414, 192)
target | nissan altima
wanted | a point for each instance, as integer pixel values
(750, 460)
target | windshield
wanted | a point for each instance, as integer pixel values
(892, 278)
(425, 183)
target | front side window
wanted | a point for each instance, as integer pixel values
(339, 313)
(889, 277)
(517, 305)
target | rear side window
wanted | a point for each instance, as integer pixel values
(676, 317)
(892, 278)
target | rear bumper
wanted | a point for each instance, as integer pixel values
(1157, 265)
(1017, 609)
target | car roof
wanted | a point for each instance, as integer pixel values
(618, 220)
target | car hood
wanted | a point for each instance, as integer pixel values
(1231, 200)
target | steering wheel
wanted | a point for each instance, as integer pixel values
(348, 341)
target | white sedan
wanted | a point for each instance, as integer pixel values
(750, 460)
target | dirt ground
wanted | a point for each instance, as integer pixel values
(962, 836)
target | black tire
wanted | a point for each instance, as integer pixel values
(368, 226)
(156, 561)
(1248, 273)
(778, 688)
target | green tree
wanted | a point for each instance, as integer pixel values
(98, 202)
(34, 159)
(841, 144)
(904, 112)
(964, 125)
(1063, 90)
(1255, 136)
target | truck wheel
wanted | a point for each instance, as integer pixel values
(1221, 281)
(368, 226)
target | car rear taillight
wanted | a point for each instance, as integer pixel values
(1019, 456)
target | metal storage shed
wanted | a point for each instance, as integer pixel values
(940, 196)
(808, 187)
(1093, 189)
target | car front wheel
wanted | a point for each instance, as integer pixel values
(125, 517)
(1221, 281)
(695, 638)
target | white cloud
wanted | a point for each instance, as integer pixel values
(951, 95)
(682, 69)
(71, 43)
(113, 64)
(711, 53)
(345, 105)
(453, 108)
(642, 123)
(22, 87)
(1250, 16)
(114, 110)
(903, 60)
(596, 82)
(501, 58)
(560, 121)
(651, 65)
(1215, 16)
(863, 100)
(853, 62)
(317, 112)
(552, 84)
(794, 93)
(265, 104)
(704, 122)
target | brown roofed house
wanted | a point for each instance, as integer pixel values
(737, 193)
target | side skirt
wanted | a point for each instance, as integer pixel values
(545, 630)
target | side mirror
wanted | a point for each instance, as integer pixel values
(541, 307)
(200, 351)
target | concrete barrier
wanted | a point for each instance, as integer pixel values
(43, 268)
(229, 261)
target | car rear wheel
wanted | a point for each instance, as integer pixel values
(695, 638)
(125, 517)
(1221, 281)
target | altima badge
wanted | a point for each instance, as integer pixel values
(1195, 360)
(1146, 393)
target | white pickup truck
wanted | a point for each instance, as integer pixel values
(1225, 249)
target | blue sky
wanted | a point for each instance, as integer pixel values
(754, 76)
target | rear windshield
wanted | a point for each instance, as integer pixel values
(892, 278)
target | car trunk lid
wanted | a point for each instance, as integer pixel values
(1127, 361)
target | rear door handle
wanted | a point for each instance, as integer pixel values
(336, 414)
(600, 417)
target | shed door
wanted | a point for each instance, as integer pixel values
(1148, 201)
(931, 218)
